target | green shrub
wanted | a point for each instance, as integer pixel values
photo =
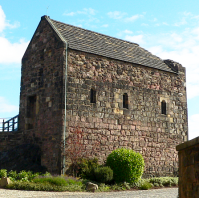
(12, 175)
(120, 186)
(73, 181)
(127, 165)
(103, 174)
(47, 174)
(24, 175)
(3, 173)
(103, 188)
(126, 186)
(20, 185)
(58, 181)
(87, 167)
(145, 185)
(156, 185)
(164, 181)
(48, 184)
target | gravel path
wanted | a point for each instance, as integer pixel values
(155, 193)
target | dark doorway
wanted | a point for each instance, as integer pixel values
(31, 111)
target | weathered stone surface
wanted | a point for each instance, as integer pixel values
(4, 181)
(141, 127)
(91, 186)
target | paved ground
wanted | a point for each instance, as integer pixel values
(156, 193)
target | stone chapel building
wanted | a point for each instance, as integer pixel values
(113, 90)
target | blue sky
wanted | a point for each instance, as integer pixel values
(168, 29)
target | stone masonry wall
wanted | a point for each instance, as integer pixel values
(141, 127)
(188, 154)
(41, 98)
(9, 140)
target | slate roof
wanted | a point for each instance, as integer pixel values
(100, 44)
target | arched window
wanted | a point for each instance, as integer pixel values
(93, 96)
(125, 101)
(163, 107)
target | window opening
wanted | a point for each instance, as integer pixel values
(41, 77)
(93, 96)
(125, 101)
(31, 111)
(163, 107)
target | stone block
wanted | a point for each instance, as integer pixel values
(4, 181)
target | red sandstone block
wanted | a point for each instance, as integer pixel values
(83, 119)
(110, 126)
(94, 119)
(97, 124)
(99, 119)
(137, 127)
(124, 126)
(159, 130)
(105, 126)
(119, 127)
(112, 132)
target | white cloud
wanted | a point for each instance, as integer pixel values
(144, 24)
(79, 25)
(10, 52)
(4, 23)
(132, 18)
(135, 39)
(120, 16)
(5, 107)
(165, 23)
(155, 19)
(69, 14)
(116, 14)
(185, 17)
(2, 20)
(128, 32)
(90, 11)
(193, 126)
(182, 22)
(105, 25)
(86, 11)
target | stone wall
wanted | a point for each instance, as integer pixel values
(188, 154)
(41, 97)
(9, 140)
(141, 127)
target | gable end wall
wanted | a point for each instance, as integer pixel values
(42, 77)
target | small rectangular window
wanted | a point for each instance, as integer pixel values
(93, 96)
(125, 101)
(163, 107)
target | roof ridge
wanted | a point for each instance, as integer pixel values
(104, 45)
(95, 32)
